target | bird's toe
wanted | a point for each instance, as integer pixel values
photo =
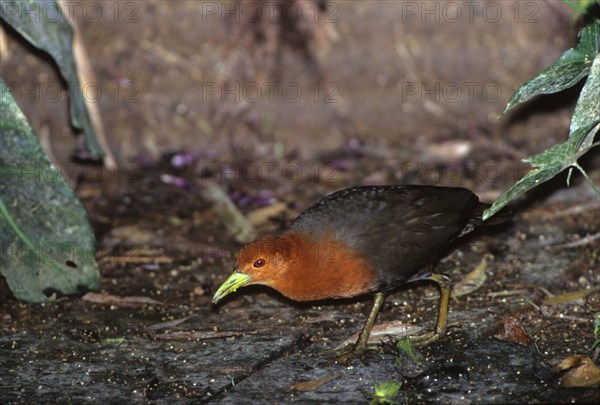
(344, 358)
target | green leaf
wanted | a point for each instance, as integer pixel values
(46, 242)
(570, 68)
(42, 23)
(596, 332)
(386, 392)
(406, 346)
(587, 110)
(579, 5)
(548, 164)
(583, 129)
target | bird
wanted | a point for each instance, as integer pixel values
(363, 240)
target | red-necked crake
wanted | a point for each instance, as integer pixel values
(363, 240)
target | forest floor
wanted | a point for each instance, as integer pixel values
(526, 296)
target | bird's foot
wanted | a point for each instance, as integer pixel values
(424, 339)
(345, 358)
(430, 337)
(342, 359)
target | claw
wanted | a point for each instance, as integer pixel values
(345, 358)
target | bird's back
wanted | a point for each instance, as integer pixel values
(398, 229)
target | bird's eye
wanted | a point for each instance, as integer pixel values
(259, 263)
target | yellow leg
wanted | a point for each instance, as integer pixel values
(358, 350)
(444, 283)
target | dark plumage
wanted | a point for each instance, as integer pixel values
(400, 229)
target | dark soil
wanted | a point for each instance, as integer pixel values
(164, 242)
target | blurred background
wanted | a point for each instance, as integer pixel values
(410, 80)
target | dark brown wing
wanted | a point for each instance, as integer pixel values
(398, 229)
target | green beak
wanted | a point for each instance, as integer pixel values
(235, 281)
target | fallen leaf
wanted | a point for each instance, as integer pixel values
(510, 329)
(581, 372)
(506, 293)
(380, 333)
(168, 324)
(568, 297)
(330, 316)
(236, 223)
(132, 234)
(202, 335)
(313, 384)
(472, 281)
(108, 299)
(262, 215)
(140, 259)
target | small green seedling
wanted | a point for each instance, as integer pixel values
(113, 341)
(596, 332)
(385, 392)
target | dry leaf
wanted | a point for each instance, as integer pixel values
(568, 297)
(131, 301)
(313, 384)
(237, 224)
(262, 215)
(510, 329)
(472, 281)
(581, 372)
(380, 333)
(168, 324)
(202, 335)
(132, 234)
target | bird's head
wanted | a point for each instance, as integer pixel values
(264, 261)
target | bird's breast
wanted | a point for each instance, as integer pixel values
(327, 268)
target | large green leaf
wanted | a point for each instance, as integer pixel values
(46, 242)
(587, 110)
(585, 123)
(548, 164)
(584, 127)
(42, 23)
(570, 68)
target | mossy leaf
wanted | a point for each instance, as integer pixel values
(46, 243)
(568, 70)
(548, 164)
(585, 124)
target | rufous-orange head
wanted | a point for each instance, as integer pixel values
(301, 268)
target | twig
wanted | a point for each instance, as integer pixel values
(235, 221)
(86, 75)
(140, 259)
(506, 293)
(202, 335)
(579, 242)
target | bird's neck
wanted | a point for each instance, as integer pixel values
(325, 269)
